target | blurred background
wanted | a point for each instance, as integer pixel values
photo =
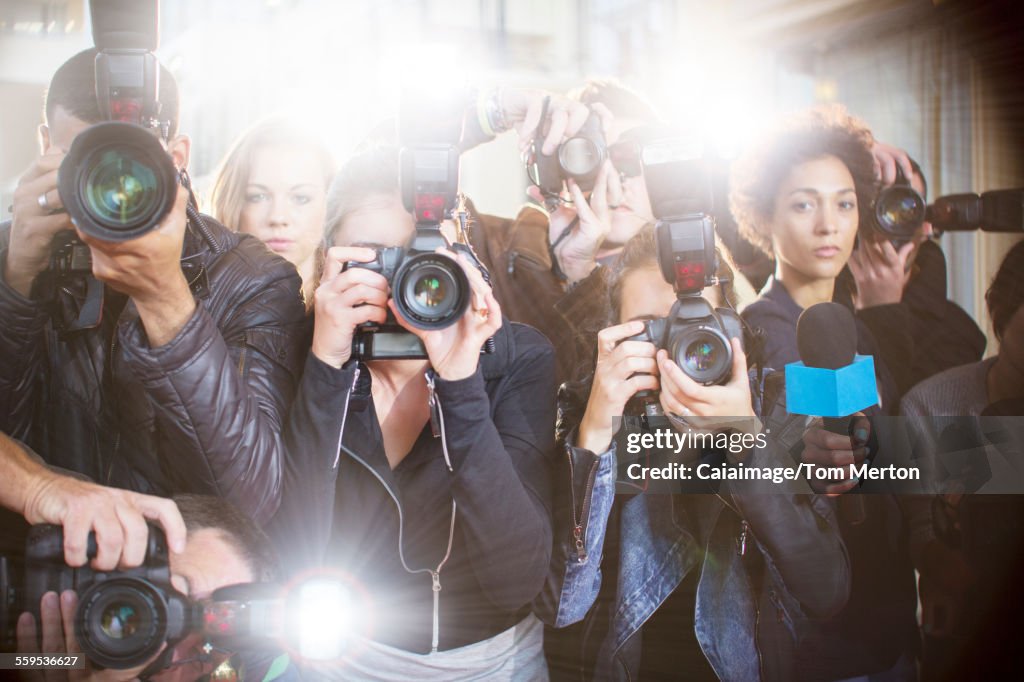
(939, 78)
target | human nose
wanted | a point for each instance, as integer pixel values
(279, 212)
(827, 220)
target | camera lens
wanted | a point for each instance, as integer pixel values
(121, 622)
(117, 181)
(119, 189)
(703, 353)
(579, 157)
(431, 291)
(899, 211)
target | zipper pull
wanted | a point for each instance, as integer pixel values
(581, 549)
(435, 422)
(741, 541)
(435, 639)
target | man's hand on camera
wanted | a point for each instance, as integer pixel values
(344, 300)
(623, 369)
(148, 269)
(887, 158)
(454, 352)
(826, 449)
(880, 271)
(58, 630)
(709, 407)
(117, 516)
(38, 216)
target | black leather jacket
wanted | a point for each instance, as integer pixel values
(201, 414)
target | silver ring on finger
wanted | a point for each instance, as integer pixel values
(43, 203)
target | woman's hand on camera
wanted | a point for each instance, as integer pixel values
(702, 406)
(344, 300)
(623, 369)
(454, 352)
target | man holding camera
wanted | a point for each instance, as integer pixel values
(222, 548)
(899, 290)
(181, 383)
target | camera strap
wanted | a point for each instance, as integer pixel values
(555, 267)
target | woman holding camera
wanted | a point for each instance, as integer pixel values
(426, 481)
(673, 584)
(273, 185)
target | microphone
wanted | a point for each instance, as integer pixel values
(832, 381)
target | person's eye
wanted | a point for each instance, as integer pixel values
(256, 197)
(848, 205)
(301, 199)
(802, 206)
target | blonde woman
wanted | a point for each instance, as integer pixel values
(273, 185)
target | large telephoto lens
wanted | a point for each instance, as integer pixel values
(704, 355)
(121, 623)
(899, 212)
(117, 181)
(431, 291)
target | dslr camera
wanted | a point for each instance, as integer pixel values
(117, 181)
(125, 616)
(695, 335)
(579, 158)
(430, 289)
(900, 211)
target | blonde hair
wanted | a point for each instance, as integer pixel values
(228, 196)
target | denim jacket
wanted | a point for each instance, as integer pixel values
(746, 633)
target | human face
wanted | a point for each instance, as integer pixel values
(285, 202)
(814, 223)
(208, 563)
(381, 220)
(633, 211)
(646, 295)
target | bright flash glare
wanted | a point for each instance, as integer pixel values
(325, 620)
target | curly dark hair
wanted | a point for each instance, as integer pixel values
(810, 135)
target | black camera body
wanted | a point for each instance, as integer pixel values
(430, 290)
(123, 616)
(579, 158)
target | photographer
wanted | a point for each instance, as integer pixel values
(667, 583)
(549, 267)
(42, 495)
(183, 383)
(223, 548)
(425, 480)
(899, 290)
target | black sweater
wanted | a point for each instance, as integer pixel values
(345, 507)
